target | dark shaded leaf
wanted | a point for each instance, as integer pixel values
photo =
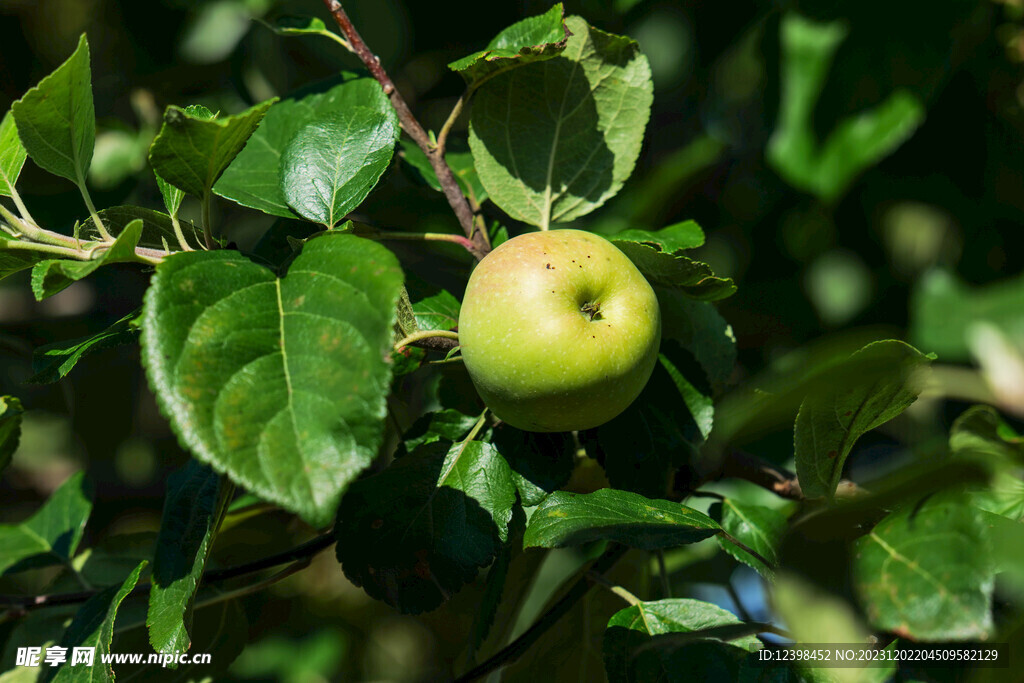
(53, 361)
(420, 530)
(195, 504)
(10, 428)
(52, 534)
(832, 418)
(541, 462)
(693, 278)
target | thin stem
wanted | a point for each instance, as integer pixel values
(67, 252)
(442, 137)
(34, 232)
(22, 209)
(207, 229)
(452, 192)
(425, 334)
(477, 427)
(427, 236)
(516, 648)
(104, 235)
(666, 587)
(614, 588)
(300, 552)
(182, 242)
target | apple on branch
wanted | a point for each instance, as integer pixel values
(559, 331)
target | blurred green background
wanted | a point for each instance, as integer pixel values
(942, 208)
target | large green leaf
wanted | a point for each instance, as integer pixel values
(632, 651)
(833, 417)
(192, 150)
(12, 155)
(417, 532)
(254, 178)
(553, 140)
(53, 361)
(196, 500)
(52, 534)
(674, 270)
(759, 528)
(944, 310)
(10, 428)
(532, 39)
(56, 120)
(93, 627)
(54, 275)
(279, 383)
(701, 331)
(332, 163)
(828, 169)
(437, 312)
(926, 573)
(609, 515)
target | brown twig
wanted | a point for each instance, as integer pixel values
(480, 244)
(300, 552)
(778, 480)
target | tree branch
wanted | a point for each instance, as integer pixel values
(516, 648)
(480, 243)
(778, 480)
(300, 552)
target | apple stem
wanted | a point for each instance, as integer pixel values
(425, 334)
(591, 308)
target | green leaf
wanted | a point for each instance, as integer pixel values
(759, 528)
(93, 626)
(195, 504)
(417, 532)
(12, 155)
(827, 170)
(437, 312)
(52, 534)
(254, 178)
(447, 424)
(700, 405)
(461, 164)
(554, 140)
(298, 26)
(833, 417)
(693, 278)
(671, 239)
(982, 430)
(944, 310)
(10, 428)
(53, 275)
(541, 463)
(702, 332)
(643, 446)
(53, 361)
(633, 652)
(157, 228)
(331, 165)
(192, 150)
(313, 345)
(926, 573)
(533, 39)
(620, 516)
(56, 120)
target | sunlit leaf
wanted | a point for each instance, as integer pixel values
(54, 275)
(553, 140)
(12, 155)
(53, 361)
(279, 383)
(52, 534)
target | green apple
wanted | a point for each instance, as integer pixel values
(559, 331)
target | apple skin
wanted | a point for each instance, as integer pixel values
(538, 354)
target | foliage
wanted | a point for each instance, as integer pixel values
(296, 304)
